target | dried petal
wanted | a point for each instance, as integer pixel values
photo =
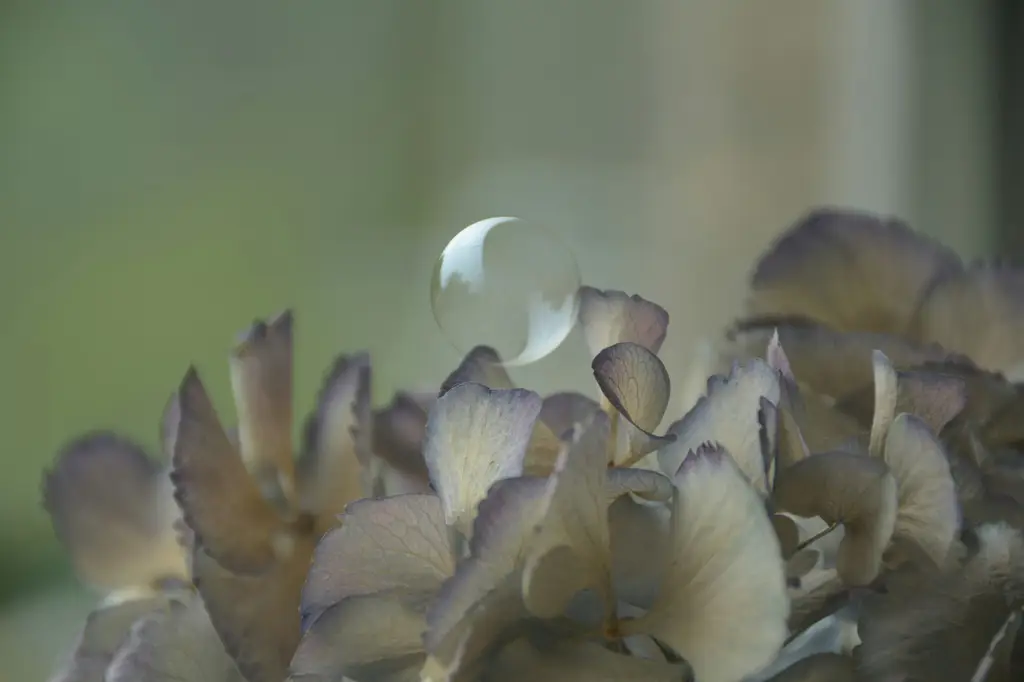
(826, 667)
(641, 548)
(261, 380)
(476, 436)
(977, 312)
(852, 271)
(482, 365)
(723, 604)
(337, 443)
(256, 616)
(365, 637)
(727, 415)
(928, 512)
(112, 508)
(175, 645)
(398, 543)
(220, 501)
(574, 530)
(399, 430)
(106, 630)
(562, 411)
(886, 393)
(609, 317)
(579, 662)
(636, 383)
(846, 488)
(939, 626)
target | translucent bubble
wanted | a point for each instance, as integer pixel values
(508, 284)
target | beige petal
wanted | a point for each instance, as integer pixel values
(365, 637)
(886, 393)
(111, 507)
(641, 548)
(543, 449)
(176, 645)
(850, 270)
(579, 662)
(827, 362)
(728, 415)
(482, 365)
(261, 380)
(476, 436)
(723, 604)
(939, 626)
(256, 616)
(984, 297)
(609, 317)
(787, 533)
(573, 529)
(646, 484)
(219, 499)
(338, 442)
(820, 594)
(106, 631)
(928, 512)
(851, 489)
(398, 433)
(827, 667)
(635, 383)
(397, 543)
(562, 411)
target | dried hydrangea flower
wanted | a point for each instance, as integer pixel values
(843, 501)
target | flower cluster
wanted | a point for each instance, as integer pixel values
(843, 502)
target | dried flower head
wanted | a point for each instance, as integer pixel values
(843, 501)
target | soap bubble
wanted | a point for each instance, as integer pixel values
(508, 284)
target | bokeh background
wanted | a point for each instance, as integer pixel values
(171, 170)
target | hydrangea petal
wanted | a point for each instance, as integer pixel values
(609, 317)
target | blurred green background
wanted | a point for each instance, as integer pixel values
(171, 171)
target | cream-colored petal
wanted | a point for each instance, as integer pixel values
(928, 513)
(562, 411)
(397, 543)
(641, 538)
(476, 436)
(609, 317)
(886, 393)
(723, 604)
(728, 415)
(261, 380)
(482, 365)
(365, 637)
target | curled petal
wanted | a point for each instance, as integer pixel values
(728, 415)
(636, 383)
(219, 499)
(476, 436)
(723, 603)
(397, 543)
(846, 488)
(641, 538)
(809, 271)
(174, 645)
(112, 508)
(928, 513)
(885, 402)
(261, 380)
(645, 484)
(609, 317)
(338, 442)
